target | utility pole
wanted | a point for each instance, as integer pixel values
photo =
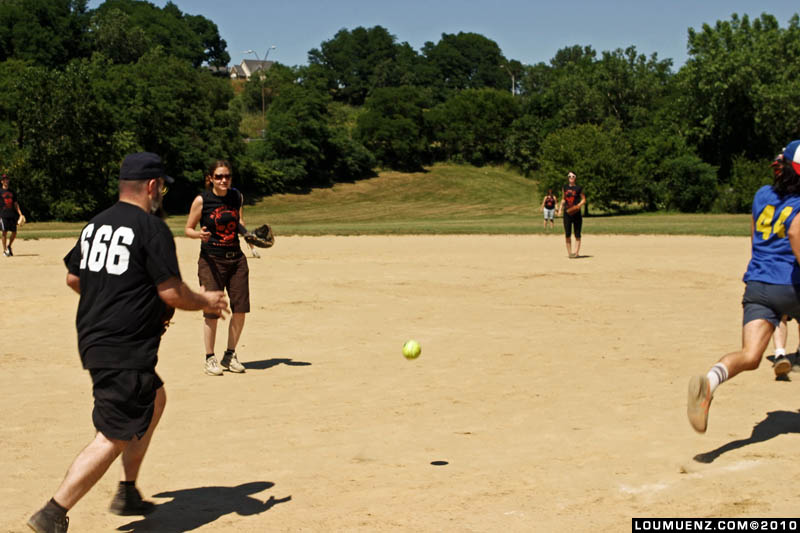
(513, 80)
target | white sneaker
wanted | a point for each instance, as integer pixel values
(212, 367)
(231, 363)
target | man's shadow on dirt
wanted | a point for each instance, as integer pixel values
(269, 363)
(776, 423)
(190, 509)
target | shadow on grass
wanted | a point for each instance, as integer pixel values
(269, 363)
(776, 423)
(190, 509)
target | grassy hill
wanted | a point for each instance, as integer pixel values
(446, 199)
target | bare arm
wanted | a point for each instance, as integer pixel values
(195, 213)
(794, 236)
(177, 294)
(74, 282)
(241, 213)
(583, 200)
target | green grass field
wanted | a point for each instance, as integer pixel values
(447, 199)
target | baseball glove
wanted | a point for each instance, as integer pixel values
(573, 210)
(261, 237)
(21, 220)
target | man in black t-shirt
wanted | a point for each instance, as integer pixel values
(126, 271)
(572, 200)
(10, 215)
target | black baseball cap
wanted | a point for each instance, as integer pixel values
(143, 166)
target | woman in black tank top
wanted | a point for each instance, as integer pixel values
(222, 265)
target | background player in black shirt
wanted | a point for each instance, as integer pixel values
(572, 200)
(125, 269)
(549, 208)
(10, 215)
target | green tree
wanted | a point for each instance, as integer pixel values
(301, 149)
(357, 61)
(261, 90)
(599, 156)
(690, 184)
(464, 61)
(472, 125)
(66, 143)
(522, 144)
(566, 92)
(746, 178)
(116, 38)
(74, 126)
(43, 32)
(632, 86)
(740, 88)
(393, 127)
(191, 38)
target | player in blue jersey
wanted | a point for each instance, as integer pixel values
(772, 282)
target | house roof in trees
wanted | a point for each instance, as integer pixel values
(250, 66)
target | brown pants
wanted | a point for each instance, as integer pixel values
(217, 273)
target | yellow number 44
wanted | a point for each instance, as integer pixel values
(764, 226)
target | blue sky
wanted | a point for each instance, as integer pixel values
(528, 31)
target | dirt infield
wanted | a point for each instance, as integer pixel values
(550, 391)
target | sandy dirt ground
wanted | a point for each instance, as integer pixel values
(550, 394)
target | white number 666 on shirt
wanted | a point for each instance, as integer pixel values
(108, 249)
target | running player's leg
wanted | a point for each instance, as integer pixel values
(133, 455)
(781, 365)
(755, 339)
(779, 338)
(87, 468)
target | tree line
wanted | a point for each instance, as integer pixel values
(82, 87)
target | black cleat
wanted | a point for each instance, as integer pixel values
(128, 502)
(47, 521)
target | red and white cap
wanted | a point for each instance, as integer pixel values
(791, 154)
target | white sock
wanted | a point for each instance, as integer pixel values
(716, 375)
(780, 351)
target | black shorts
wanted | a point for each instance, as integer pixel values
(124, 400)
(8, 223)
(570, 222)
(217, 273)
(770, 302)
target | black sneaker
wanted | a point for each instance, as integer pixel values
(782, 365)
(129, 502)
(10, 253)
(47, 521)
